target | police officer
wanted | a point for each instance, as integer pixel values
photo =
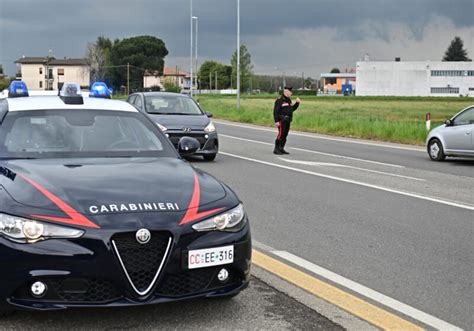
(283, 114)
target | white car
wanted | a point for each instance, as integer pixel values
(454, 137)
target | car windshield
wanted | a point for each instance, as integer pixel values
(171, 105)
(80, 133)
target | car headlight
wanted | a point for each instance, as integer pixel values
(162, 127)
(228, 221)
(29, 231)
(210, 127)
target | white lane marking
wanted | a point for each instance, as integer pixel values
(316, 152)
(367, 292)
(413, 195)
(325, 164)
(314, 136)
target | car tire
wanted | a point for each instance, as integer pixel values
(435, 150)
(209, 157)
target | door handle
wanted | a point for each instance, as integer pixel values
(468, 133)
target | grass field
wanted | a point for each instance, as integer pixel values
(394, 119)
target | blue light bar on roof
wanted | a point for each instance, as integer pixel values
(17, 89)
(100, 90)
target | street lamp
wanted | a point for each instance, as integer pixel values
(238, 54)
(191, 48)
(196, 47)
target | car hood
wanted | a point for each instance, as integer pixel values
(178, 122)
(435, 131)
(109, 186)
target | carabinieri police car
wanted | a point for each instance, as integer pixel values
(97, 209)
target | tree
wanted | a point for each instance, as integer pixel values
(142, 53)
(170, 85)
(245, 68)
(456, 51)
(98, 59)
(207, 75)
(308, 82)
(4, 80)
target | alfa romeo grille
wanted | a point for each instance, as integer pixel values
(142, 263)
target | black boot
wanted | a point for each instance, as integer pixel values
(277, 149)
(282, 148)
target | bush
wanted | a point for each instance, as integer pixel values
(305, 92)
(171, 87)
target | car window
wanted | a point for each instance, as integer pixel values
(131, 99)
(138, 101)
(80, 133)
(466, 117)
(171, 104)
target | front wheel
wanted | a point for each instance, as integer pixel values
(435, 150)
(209, 157)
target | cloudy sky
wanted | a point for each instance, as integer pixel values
(294, 36)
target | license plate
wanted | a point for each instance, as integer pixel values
(210, 257)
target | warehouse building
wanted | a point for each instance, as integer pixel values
(415, 78)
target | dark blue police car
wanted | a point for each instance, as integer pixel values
(97, 209)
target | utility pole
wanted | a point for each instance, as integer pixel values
(210, 80)
(196, 50)
(216, 81)
(284, 80)
(128, 78)
(238, 54)
(191, 48)
(176, 79)
(302, 80)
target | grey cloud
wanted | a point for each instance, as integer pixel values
(31, 27)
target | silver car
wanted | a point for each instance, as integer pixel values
(454, 137)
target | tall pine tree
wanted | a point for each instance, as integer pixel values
(456, 51)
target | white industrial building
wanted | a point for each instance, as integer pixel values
(427, 78)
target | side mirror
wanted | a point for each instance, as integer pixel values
(209, 114)
(188, 146)
(448, 123)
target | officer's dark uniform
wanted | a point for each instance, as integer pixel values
(283, 114)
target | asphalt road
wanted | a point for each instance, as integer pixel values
(382, 215)
(259, 307)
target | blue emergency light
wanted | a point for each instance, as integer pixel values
(17, 89)
(100, 90)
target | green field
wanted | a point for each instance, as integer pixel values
(394, 119)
